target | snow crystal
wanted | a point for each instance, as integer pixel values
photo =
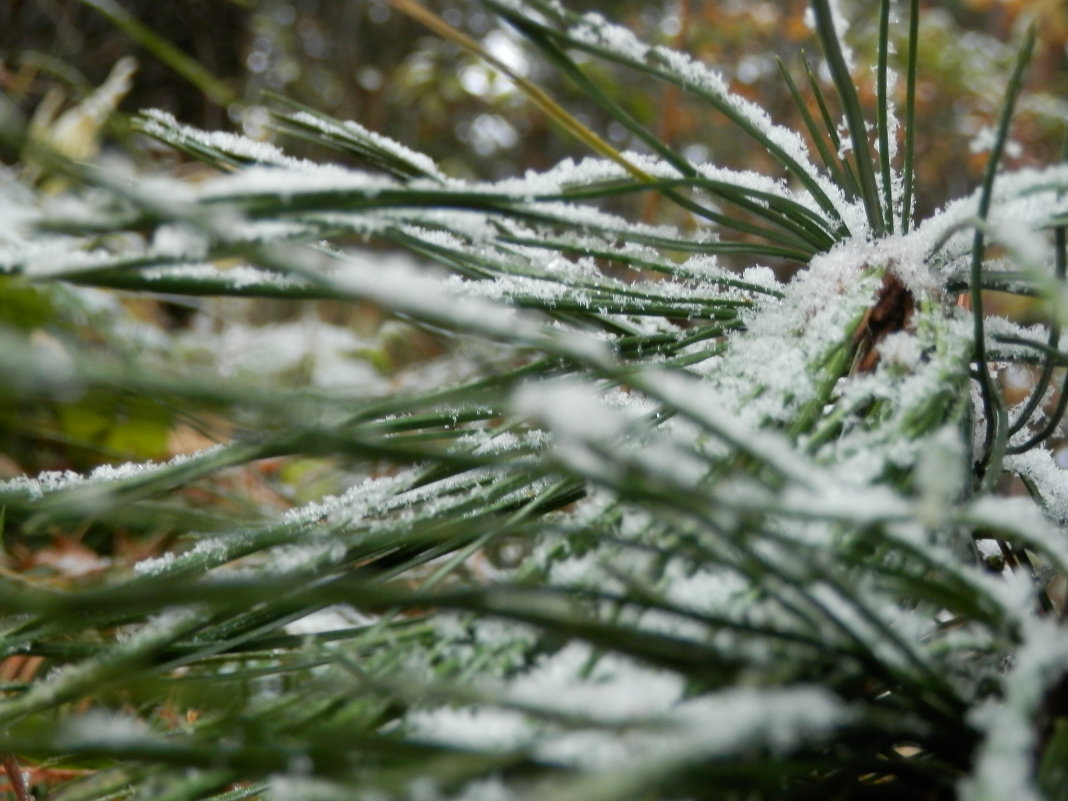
(164, 126)
(154, 566)
(353, 130)
(489, 442)
(53, 481)
(241, 276)
(304, 556)
(358, 502)
(1001, 329)
(1039, 467)
(596, 31)
(212, 550)
(513, 287)
(277, 182)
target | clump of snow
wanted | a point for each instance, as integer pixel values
(901, 349)
(54, 481)
(985, 139)
(164, 126)
(332, 618)
(1039, 467)
(100, 729)
(1003, 764)
(760, 276)
(179, 240)
(615, 690)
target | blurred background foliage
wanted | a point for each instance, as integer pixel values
(367, 62)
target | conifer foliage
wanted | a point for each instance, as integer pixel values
(650, 525)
